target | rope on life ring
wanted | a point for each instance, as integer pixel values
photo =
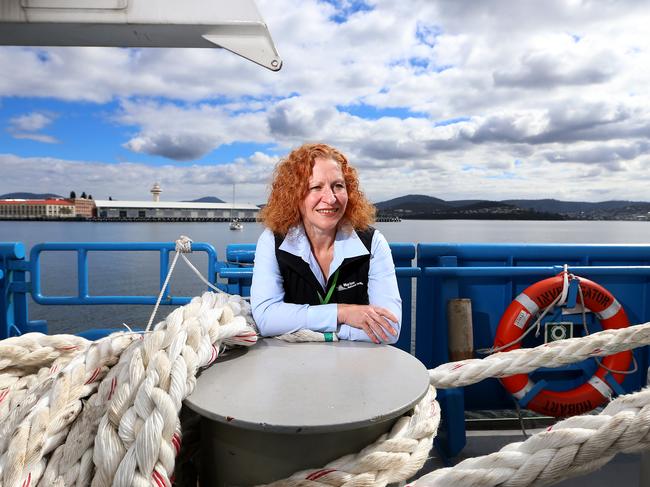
(517, 317)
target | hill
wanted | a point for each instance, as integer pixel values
(413, 203)
(569, 207)
(205, 199)
(427, 207)
(29, 196)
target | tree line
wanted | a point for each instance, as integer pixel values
(73, 195)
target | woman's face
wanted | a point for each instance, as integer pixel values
(326, 199)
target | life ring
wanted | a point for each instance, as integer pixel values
(517, 317)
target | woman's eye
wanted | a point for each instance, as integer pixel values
(314, 188)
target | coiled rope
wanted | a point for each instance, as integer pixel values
(106, 412)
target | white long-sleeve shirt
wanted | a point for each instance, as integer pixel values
(275, 317)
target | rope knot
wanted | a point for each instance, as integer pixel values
(184, 245)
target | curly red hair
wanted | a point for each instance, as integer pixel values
(291, 183)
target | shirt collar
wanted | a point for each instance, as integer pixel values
(346, 244)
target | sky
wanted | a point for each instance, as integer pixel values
(455, 99)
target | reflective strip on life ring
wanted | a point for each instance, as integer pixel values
(517, 317)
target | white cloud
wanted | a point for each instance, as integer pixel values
(47, 139)
(188, 132)
(30, 122)
(27, 127)
(544, 83)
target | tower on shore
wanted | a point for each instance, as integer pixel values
(155, 192)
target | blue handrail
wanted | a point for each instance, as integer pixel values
(82, 249)
(12, 250)
(511, 271)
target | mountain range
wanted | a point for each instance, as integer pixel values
(423, 207)
(29, 196)
(427, 207)
(45, 196)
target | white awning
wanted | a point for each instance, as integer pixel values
(235, 25)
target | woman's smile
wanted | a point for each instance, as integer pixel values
(327, 211)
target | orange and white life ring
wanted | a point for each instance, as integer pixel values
(517, 317)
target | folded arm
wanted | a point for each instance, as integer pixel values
(382, 319)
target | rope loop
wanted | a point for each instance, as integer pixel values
(565, 285)
(184, 245)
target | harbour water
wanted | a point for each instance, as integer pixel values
(116, 273)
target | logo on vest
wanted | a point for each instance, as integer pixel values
(348, 285)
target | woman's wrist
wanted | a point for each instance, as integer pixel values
(341, 309)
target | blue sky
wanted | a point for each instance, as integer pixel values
(451, 99)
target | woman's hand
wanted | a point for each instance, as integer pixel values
(374, 320)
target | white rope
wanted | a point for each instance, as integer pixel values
(552, 354)
(42, 419)
(127, 432)
(200, 276)
(572, 447)
(535, 326)
(183, 246)
(565, 285)
(305, 335)
(137, 435)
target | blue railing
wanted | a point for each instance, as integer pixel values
(82, 250)
(490, 275)
(13, 292)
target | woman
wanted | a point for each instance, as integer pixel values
(318, 264)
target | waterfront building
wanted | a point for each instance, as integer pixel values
(84, 207)
(37, 209)
(173, 210)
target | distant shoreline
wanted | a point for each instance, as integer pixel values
(380, 219)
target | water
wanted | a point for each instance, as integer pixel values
(120, 273)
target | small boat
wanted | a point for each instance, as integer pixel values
(235, 224)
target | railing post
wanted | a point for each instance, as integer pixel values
(433, 293)
(13, 292)
(10, 253)
(164, 268)
(403, 254)
(424, 305)
(82, 273)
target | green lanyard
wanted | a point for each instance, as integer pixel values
(331, 289)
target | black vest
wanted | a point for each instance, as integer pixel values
(302, 287)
